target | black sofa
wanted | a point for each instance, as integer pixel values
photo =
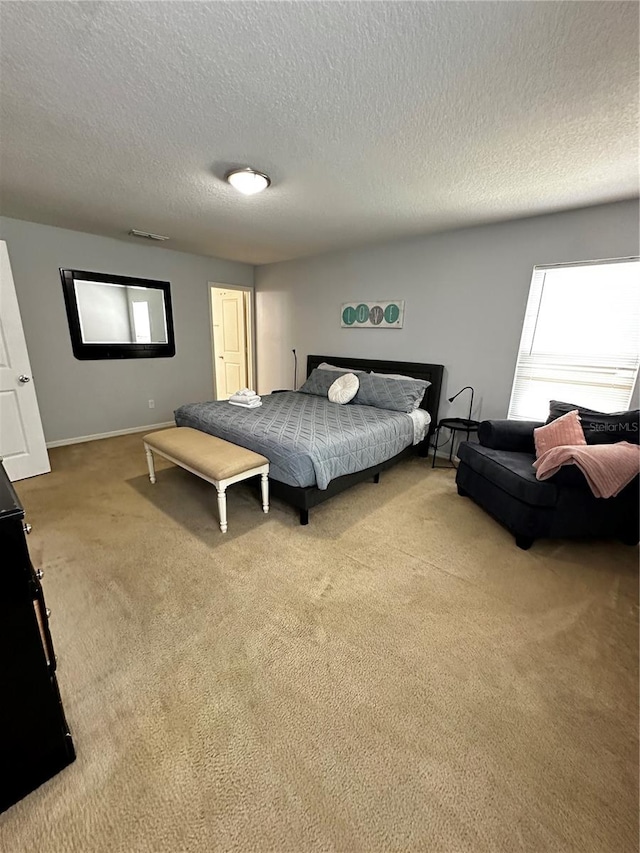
(497, 472)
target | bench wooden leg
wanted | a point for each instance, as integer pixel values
(222, 509)
(264, 485)
(152, 470)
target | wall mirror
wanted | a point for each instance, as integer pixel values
(115, 316)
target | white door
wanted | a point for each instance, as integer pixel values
(229, 341)
(22, 446)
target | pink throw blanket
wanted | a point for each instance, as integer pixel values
(608, 468)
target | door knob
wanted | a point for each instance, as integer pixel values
(220, 356)
(24, 379)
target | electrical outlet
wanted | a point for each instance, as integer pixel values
(152, 404)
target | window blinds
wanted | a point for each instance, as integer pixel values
(580, 338)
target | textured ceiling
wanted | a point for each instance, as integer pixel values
(374, 120)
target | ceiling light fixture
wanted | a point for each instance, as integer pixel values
(146, 235)
(248, 181)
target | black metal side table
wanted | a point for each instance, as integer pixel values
(454, 425)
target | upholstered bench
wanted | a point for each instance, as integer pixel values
(217, 461)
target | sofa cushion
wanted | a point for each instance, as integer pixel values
(508, 434)
(562, 431)
(601, 427)
(570, 477)
(512, 472)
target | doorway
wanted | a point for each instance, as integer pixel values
(22, 446)
(232, 338)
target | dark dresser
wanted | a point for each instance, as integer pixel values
(35, 742)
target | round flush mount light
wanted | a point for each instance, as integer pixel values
(248, 181)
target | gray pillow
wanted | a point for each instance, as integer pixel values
(319, 381)
(601, 427)
(396, 395)
(416, 405)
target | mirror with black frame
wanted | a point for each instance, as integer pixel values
(115, 316)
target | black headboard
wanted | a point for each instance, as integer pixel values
(430, 372)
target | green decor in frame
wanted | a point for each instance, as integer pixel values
(373, 315)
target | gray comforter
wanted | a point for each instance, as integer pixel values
(307, 439)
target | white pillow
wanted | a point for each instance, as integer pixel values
(344, 388)
(325, 366)
(392, 375)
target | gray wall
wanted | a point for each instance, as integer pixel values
(87, 397)
(465, 292)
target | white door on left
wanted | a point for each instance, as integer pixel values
(22, 445)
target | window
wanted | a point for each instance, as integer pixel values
(580, 338)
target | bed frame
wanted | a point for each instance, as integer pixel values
(304, 498)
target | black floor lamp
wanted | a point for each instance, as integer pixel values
(455, 425)
(451, 399)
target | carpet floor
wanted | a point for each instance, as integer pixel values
(397, 676)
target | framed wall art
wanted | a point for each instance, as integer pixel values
(373, 315)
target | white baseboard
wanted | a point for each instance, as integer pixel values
(80, 439)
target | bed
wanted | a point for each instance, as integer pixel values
(317, 448)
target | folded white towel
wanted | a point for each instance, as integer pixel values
(244, 395)
(237, 398)
(255, 405)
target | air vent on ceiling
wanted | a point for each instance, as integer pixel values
(146, 235)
